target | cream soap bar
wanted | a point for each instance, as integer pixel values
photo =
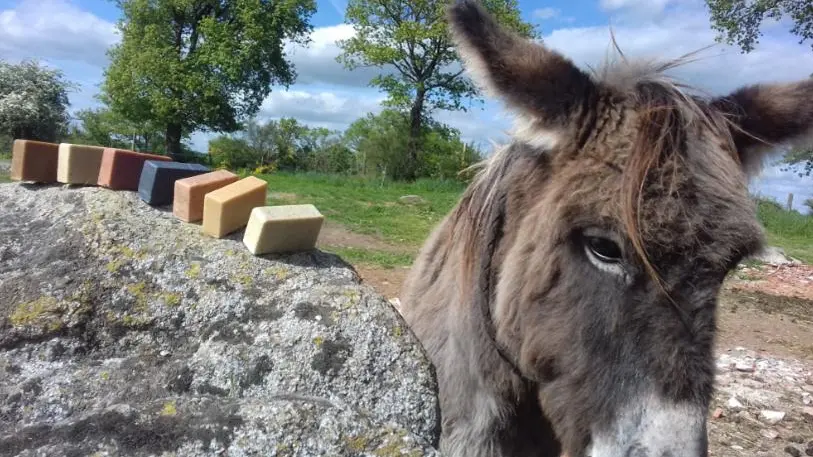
(227, 209)
(79, 164)
(283, 228)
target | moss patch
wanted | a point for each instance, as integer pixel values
(279, 273)
(169, 409)
(193, 272)
(137, 290)
(171, 298)
(114, 265)
(45, 312)
(357, 443)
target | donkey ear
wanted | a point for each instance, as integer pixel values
(767, 116)
(532, 79)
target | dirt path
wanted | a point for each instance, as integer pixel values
(334, 234)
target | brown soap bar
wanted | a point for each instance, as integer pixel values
(79, 164)
(34, 161)
(227, 209)
(121, 169)
(187, 205)
(283, 228)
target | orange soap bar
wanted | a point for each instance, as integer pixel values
(187, 204)
(227, 209)
(121, 169)
(34, 161)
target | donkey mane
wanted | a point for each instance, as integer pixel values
(670, 110)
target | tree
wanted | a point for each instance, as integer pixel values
(33, 101)
(202, 65)
(799, 160)
(234, 153)
(809, 204)
(104, 127)
(739, 21)
(380, 143)
(412, 37)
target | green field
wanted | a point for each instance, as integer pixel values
(789, 230)
(371, 207)
(368, 206)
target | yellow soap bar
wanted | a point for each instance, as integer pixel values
(227, 209)
(283, 228)
(79, 164)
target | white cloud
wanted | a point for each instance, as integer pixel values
(721, 68)
(54, 30)
(777, 183)
(325, 109)
(316, 62)
(635, 8)
(546, 13)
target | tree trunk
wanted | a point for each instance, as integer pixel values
(414, 143)
(173, 142)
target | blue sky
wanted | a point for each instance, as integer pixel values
(74, 34)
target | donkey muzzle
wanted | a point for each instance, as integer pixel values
(653, 427)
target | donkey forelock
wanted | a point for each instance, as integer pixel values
(568, 302)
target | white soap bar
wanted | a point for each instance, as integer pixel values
(283, 228)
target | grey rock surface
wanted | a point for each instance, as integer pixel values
(774, 255)
(124, 331)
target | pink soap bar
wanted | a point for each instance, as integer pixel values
(121, 169)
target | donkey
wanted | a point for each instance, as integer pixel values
(568, 301)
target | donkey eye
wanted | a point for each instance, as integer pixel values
(604, 249)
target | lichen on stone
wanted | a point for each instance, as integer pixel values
(293, 363)
(45, 312)
(169, 409)
(193, 272)
(171, 298)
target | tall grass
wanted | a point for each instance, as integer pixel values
(790, 230)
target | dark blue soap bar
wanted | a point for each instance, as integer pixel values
(157, 183)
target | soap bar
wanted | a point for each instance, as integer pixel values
(283, 228)
(187, 204)
(157, 183)
(121, 169)
(34, 161)
(227, 209)
(79, 164)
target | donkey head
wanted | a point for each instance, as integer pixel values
(620, 207)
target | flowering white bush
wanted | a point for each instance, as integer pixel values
(33, 101)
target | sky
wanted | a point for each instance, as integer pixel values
(73, 35)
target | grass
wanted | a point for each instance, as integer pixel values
(790, 230)
(370, 206)
(374, 257)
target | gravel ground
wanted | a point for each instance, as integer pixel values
(763, 406)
